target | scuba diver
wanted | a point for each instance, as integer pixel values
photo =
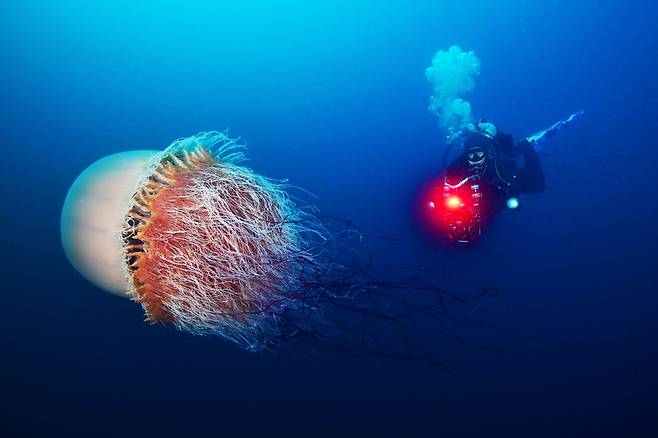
(488, 177)
(492, 158)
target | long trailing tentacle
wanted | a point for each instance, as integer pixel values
(216, 249)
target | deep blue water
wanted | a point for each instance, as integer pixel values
(332, 96)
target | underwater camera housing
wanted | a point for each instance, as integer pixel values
(462, 217)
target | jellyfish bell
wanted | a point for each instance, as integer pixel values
(94, 213)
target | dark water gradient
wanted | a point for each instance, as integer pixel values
(332, 96)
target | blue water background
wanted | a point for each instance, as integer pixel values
(332, 96)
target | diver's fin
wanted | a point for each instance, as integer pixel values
(538, 138)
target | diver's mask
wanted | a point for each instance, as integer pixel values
(476, 157)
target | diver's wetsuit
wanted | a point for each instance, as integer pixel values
(502, 177)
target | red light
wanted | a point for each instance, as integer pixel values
(453, 202)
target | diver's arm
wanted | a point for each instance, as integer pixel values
(506, 145)
(538, 138)
(531, 177)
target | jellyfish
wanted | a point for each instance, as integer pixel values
(209, 247)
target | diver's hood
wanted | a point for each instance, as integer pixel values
(477, 140)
